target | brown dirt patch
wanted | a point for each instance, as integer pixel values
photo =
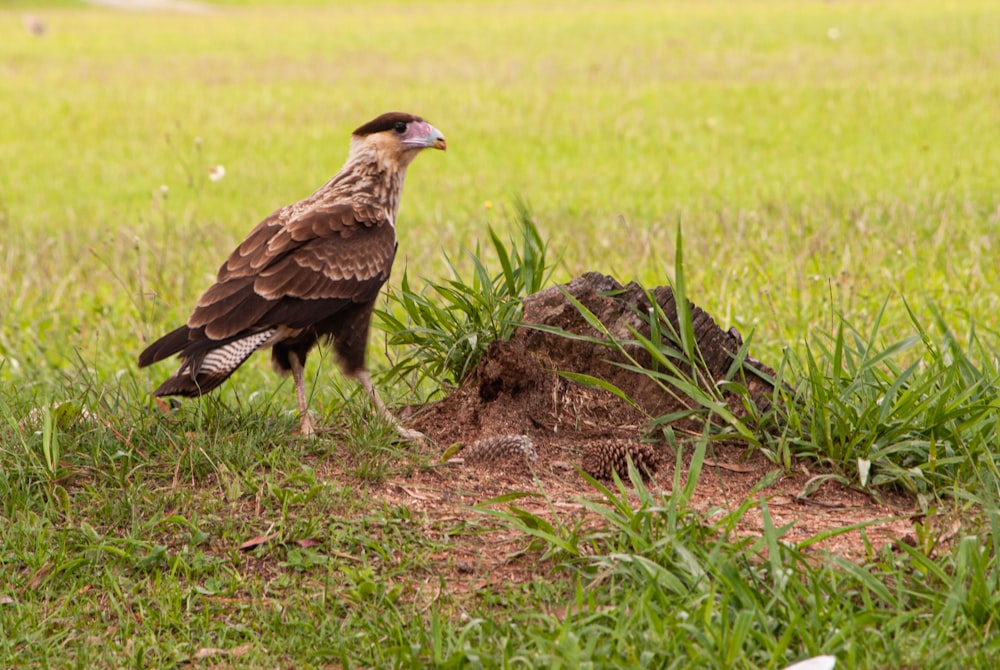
(514, 392)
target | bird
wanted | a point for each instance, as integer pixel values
(309, 273)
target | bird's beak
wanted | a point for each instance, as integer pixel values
(427, 137)
(435, 140)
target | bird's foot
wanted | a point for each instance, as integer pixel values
(307, 428)
(410, 435)
(310, 430)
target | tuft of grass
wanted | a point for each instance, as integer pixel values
(918, 414)
(444, 328)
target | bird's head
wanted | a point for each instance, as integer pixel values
(396, 138)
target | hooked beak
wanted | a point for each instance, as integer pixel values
(438, 141)
(427, 137)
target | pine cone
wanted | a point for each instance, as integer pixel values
(603, 459)
(500, 448)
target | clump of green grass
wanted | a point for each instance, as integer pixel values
(918, 414)
(445, 327)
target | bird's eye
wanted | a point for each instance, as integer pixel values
(400, 127)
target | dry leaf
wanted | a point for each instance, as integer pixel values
(415, 494)
(253, 543)
(38, 577)
(732, 467)
(241, 650)
(208, 652)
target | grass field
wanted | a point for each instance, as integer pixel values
(823, 159)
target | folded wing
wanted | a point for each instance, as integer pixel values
(292, 275)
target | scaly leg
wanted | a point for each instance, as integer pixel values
(306, 427)
(365, 379)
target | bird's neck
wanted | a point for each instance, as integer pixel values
(370, 178)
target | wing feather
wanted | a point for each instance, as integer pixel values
(222, 294)
(250, 313)
(244, 260)
(288, 278)
(302, 267)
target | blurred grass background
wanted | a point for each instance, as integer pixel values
(819, 155)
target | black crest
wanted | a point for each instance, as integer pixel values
(385, 122)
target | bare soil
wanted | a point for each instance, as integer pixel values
(515, 392)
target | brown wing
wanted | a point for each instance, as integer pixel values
(298, 273)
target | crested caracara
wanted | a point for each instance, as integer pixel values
(310, 271)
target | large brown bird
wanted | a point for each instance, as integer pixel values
(310, 271)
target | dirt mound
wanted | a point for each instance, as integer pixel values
(517, 388)
(525, 427)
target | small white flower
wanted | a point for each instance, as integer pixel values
(833, 33)
(217, 173)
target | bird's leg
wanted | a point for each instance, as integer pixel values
(365, 379)
(306, 427)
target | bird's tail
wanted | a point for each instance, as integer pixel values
(168, 345)
(206, 363)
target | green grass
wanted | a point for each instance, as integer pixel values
(834, 169)
(444, 329)
(660, 588)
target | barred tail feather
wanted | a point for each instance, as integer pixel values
(206, 369)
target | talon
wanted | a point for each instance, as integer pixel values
(306, 428)
(411, 435)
